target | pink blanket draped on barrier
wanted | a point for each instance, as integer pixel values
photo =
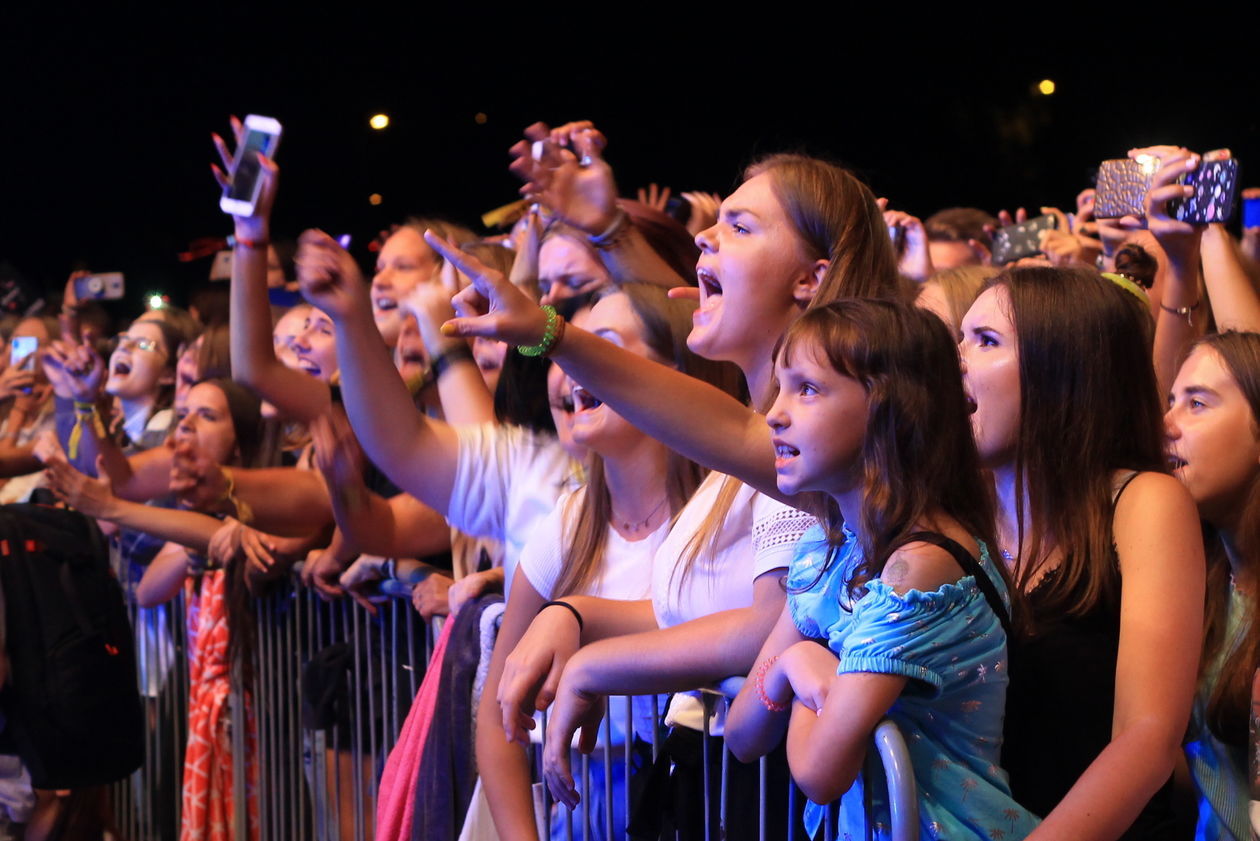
(396, 797)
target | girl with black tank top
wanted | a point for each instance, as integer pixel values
(1105, 548)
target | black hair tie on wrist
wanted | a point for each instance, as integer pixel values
(568, 607)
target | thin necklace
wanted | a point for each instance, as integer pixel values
(639, 525)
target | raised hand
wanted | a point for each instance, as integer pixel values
(916, 260)
(76, 371)
(654, 197)
(93, 497)
(564, 169)
(15, 380)
(256, 228)
(704, 211)
(329, 277)
(1178, 239)
(491, 307)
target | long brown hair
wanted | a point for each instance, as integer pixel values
(836, 218)
(665, 323)
(1229, 699)
(918, 454)
(1089, 407)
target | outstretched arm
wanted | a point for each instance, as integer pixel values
(401, 527)
(564, 168)
(661, 401)
(418, 454)
(295, 394)
(95, 498)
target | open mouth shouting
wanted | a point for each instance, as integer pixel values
(584, 401)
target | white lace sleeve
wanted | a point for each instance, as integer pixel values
(776, 529)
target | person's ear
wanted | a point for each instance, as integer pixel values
(807, 286)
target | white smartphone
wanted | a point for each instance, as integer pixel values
(262, 134)
(22, 352)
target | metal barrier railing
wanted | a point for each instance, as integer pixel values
(322, 783)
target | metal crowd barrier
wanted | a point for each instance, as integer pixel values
(322, 784)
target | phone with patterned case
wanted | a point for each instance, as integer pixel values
(1215, 193)
(1014, 242)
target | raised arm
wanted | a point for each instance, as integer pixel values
(461, 388)
(284, 501)
(663, 402)
(564, 169)
(400, 527)
(418, 454)
(1235, 300)
(295, 394)
(1182, 315)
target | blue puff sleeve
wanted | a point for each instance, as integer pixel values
(922, 636)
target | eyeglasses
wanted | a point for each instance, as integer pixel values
(136, 342)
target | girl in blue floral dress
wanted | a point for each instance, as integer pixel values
(895, 609)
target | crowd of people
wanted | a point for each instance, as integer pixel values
(792, 434)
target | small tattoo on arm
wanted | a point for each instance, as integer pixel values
(895, 572)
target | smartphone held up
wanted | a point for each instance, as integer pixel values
(260, 135)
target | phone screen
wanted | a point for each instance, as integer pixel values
(23, 348)
(1251, 213)
(247, 167)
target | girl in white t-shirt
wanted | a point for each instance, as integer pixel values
(600, 539)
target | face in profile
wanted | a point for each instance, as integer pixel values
(818, 422)
(990, 365)
(751, 264)
(1212, 437)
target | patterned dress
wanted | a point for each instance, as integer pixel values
(208, 793)
(952, 647)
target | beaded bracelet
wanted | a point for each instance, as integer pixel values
(760, 683)
(552, 335)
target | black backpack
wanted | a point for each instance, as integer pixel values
(71, 704)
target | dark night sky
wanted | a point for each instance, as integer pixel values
(109, 116)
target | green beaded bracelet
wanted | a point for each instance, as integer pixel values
(551, 335)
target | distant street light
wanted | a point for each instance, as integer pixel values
(379, 121)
